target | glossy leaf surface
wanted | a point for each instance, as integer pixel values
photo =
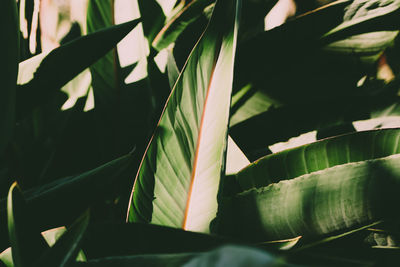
(179, 176)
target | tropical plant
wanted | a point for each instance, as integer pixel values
(200, 133)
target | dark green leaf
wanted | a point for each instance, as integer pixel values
(67, 247)
(76, 56)
(49, 201)
(234, 256)
(175, 185)
(115, 239)
(179, 22)
(27, 244)
(8, 73)
(292, 120)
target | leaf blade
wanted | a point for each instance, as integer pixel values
(178, 135)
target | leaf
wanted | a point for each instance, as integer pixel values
(172, 69)
(76, 56)
(8, 74)
(174, 27)
(292, 120)
(27, 244)
(235, 159)
(322, 203)
(105, 71)
(153, 18)
(67, 247)
(49, 201)
(178, 179)
(300, 49)
(291, 163)
(115, 239)
(234, 256)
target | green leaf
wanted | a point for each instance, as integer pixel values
(76, 56)
(300, 49)
(115, 239)
(292, 120)
(105, 71)
(48, 201)
(153, 18)
(6, 258)
(8, 73)
(172, 69)
(320, 155)
(178, 179)
(234, 256)
(67, 247)
(174, 27)
(27, 244)
(323, 203)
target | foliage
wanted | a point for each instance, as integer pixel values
(209, 112)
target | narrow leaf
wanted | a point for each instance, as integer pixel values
(115, 239)
(48, 201)
(67, 247)
(76, 56)
(174, 27)
(27, 244)
(8, 73)
(178, 179)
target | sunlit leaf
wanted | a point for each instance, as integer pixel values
(178, 180)
(322, 203)
(320, 155)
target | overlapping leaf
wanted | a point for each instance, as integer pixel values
(320, 155)
(48, 201)
(326, 202)
(178, 179)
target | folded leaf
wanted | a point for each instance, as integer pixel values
(178, 180)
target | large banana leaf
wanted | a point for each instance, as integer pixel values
(320, 155)
(49, 201)
(178, 180)
(323, 203)
(8, 74)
